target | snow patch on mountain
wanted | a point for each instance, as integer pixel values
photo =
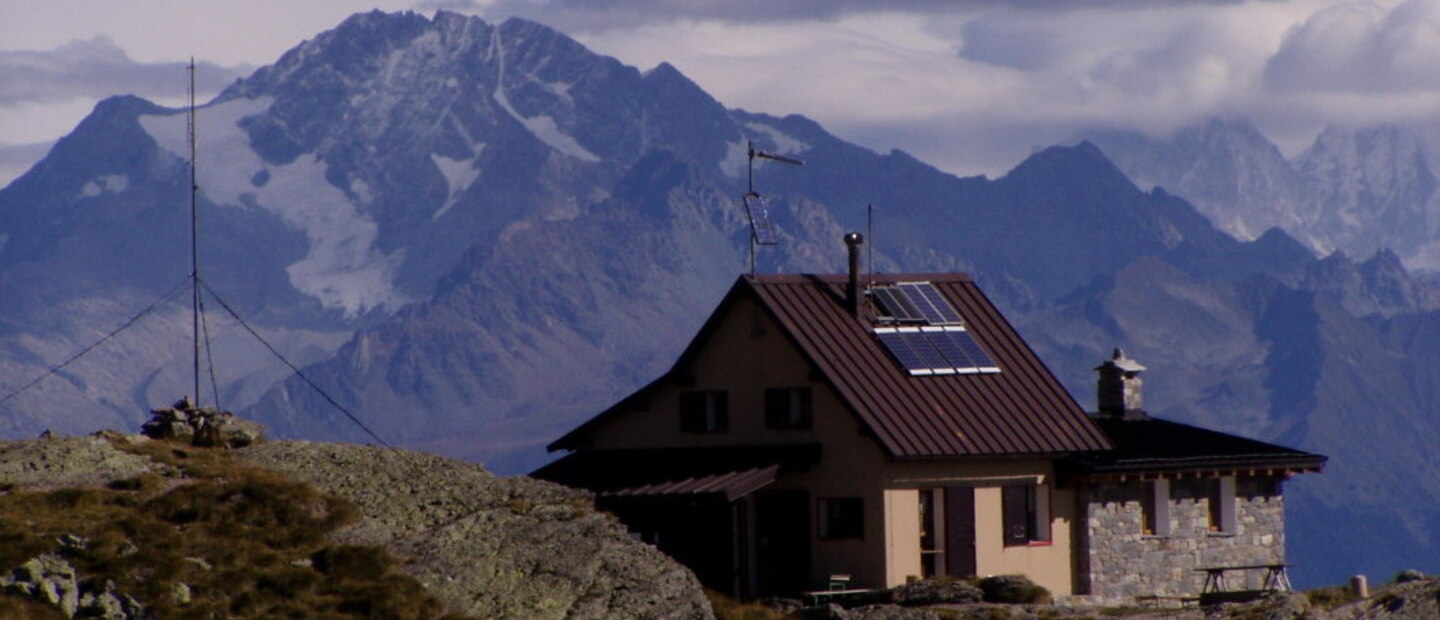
(542, 127)
(785, 144)
(344, 268)
(459, 174)
(110, 183)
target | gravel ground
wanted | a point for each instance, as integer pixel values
(60, 462)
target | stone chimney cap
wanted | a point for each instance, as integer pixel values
(1118, 360)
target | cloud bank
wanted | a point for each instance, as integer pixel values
(95, 69)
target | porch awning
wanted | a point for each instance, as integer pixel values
(730, 471)
(732, 484)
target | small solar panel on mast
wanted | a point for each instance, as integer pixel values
(762, 228)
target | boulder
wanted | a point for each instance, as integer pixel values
(492, 547)
(110, 605)
(1406, 576)
(937, 592)
(890, 612)
(202, 426)
(1014, 590)
(828, 611)
(47, 578)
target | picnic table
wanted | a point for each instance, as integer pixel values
(1216, 590)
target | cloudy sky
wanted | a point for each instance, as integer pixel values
(971, 86)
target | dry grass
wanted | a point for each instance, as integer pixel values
(247, 542)
(727, 608)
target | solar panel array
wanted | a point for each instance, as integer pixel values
(761, 226)
(928, 336)
(916, 302)
(939, 350)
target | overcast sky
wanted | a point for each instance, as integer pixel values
(969, 86)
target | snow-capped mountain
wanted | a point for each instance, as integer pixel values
(472, 236)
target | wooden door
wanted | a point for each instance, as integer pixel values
(960, 531)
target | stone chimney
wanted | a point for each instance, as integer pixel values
(853, 241)
(1118, 387)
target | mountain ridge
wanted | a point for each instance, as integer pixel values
(475, 267)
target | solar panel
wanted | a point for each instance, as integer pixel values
(935, 350)
(761, 226)
(902, 345)
(960, 348)
(896, 304)
(930, 303)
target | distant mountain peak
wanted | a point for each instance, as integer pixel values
(1084, 159)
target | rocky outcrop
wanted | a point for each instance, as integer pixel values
(937, 592)
(202, 426)
(68, 462)
(488, 546)
(51, 579)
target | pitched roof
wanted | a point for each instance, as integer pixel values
(1022, 409)
(1152, 445)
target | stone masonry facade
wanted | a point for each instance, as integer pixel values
(1117, 560)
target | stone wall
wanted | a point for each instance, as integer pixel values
(1115, 560)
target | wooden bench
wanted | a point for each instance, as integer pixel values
(839, 590)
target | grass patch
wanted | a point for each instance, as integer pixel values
(247, 542)
(727, 608)
(1330, 597)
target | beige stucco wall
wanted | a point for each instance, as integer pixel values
(1047, 564)
(748, 353)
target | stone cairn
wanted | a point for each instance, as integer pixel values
(202, 426)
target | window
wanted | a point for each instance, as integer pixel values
(841, 517)
(1155, 508)
(1025, 510)
(787, 408)
(704, 411)
(1222, 505)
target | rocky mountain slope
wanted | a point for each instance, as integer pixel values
(483, 546)
(473, 236)
(1359, 190)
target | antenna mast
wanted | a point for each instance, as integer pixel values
(762, 228)
(194, 241)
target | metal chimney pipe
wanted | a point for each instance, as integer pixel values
(853, 241)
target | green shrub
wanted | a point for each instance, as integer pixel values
(1014, 590)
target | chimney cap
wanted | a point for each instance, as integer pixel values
(853, 239)
(1119, 361)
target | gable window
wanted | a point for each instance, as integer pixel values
(787, 408)
(705, 411)
(1155, 508)
(1222, 505)
(841, 517)
(1025, 512)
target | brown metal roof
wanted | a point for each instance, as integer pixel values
(1021, 410)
